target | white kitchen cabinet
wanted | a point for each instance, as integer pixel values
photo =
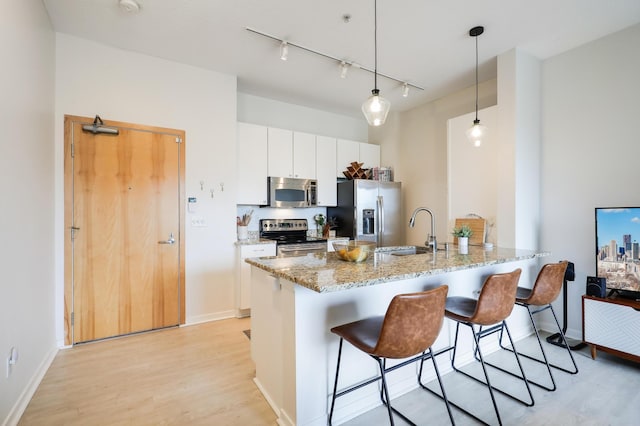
(325, 170)
(612, 325)
(346, 152)
(304, 155)
(369, 155)
(252, 164)
(291, 154)
(280, 152)
(243, 276)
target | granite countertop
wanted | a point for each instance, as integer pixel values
(325, 272)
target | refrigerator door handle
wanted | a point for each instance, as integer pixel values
(380, 220)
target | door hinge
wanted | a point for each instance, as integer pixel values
(73, 150)
(74, 229)
(73, 317)
(178, 140)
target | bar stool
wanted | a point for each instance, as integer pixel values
(545, 290)
(490, 310)
(408, 328)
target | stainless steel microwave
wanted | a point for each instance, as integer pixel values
(292, 192)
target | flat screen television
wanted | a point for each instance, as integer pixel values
(618, 249)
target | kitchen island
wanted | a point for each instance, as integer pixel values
(296, 301)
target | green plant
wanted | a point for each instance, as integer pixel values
(463, 231)
(320, 220)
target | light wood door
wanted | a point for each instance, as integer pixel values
(126, 230)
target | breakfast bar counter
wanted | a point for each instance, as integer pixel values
(325, 272)
(297, 300)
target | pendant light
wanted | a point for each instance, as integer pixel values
(376, 108)
(477, 132)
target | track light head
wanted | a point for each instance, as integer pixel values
(284, 50)
(405, 90)
(344, 69)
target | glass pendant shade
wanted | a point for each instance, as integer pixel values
(476, 133)
(376, 108)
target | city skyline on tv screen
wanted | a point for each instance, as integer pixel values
(618, 250)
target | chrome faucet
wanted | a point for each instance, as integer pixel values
(431, 238)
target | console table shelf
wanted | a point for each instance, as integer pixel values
(612, 325)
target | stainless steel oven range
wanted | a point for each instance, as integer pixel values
(291, 236)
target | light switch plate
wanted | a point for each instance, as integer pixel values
(198, 222)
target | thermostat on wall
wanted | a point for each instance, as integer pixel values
(191, 204)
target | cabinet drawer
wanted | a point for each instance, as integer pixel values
(258, 250)
(612, 325)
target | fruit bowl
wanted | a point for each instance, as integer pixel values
(353, 251)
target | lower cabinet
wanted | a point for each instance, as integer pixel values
(612, 325)
(243, 273)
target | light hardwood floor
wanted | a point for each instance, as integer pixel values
(202, 375)
(196, 375)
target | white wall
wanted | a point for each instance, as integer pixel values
(26, 159)
(473, 171)
(590, 148)
(124, 86)
(268, 112)
(414, 144)
(518, 131)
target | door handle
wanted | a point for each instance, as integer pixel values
(171, 240)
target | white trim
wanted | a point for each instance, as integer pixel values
(25, 397)
(216, 316)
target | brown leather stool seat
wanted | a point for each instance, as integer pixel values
(538, 299)
(489, 312)
(408, 329)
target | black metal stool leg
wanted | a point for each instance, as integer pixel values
(335, 384)
(545, 359)
(564, 340)
(381, 363)
(437, 371)
(544, 356)
(484, 369)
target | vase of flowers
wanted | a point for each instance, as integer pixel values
(321, 221)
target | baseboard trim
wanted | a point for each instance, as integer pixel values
(210, 317)
(25, 397)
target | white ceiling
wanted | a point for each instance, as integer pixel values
(425, 42)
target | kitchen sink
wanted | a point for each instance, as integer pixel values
(409, 250)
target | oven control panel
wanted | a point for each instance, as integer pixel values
(276, 225)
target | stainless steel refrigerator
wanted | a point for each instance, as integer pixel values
(369, 210)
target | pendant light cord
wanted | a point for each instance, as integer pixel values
(375, 44)
(476, 78)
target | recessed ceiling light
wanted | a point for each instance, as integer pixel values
(129, 6)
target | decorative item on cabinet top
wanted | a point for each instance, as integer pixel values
(355, 171)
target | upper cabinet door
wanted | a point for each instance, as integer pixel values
(304, 155)
(369, 155)
(346, 152)
(325, 170)
(252, 164)
(280, 156)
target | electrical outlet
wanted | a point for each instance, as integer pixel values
(11, 360)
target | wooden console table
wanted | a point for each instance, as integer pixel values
(612, 325)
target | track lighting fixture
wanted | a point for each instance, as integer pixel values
(405, 90)
(376, 108)
(477, 132)
(344, 69)
(284, 50)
